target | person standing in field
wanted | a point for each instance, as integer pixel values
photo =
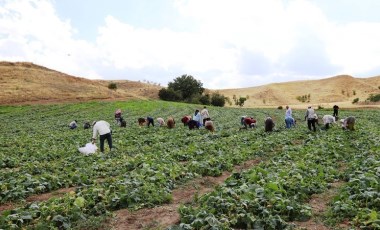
(205, 115)
(103, 129)
(310, 116)
(335, 113)
(289, 121)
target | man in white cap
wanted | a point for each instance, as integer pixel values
(104, 130)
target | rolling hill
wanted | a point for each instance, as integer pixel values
(26, 83)
(23, 82)
(324, 92)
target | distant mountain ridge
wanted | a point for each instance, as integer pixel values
(24, 82)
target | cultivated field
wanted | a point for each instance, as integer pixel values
(160, 178)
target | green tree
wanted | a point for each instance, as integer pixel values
(187, 85)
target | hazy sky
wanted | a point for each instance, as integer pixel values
(223, 43)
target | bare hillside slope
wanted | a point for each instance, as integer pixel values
(26, 82)
(340, 90)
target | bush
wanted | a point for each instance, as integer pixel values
(112, 85)
(280, 107)
(374, 98)
(169, 95)
(320, 107)
(218, 100)
(205, 99)
(355, 100)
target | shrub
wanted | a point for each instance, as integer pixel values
(169, 95)
(218, 99)
(355, 100)
(112, 85)
(374, 98)
(280, 107)
(205, 99)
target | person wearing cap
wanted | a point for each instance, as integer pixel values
(104, 130)
(310, 116)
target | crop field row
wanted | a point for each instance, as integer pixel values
(39, 155)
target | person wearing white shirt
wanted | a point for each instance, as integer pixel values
(327, 120)
(205, 115)
(197, 117)
(310, 116)
(104, 130)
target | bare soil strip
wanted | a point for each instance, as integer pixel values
(166, 215)
(319, 204)
(37, 198)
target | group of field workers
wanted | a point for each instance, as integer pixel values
(201, 118)
(312, 119)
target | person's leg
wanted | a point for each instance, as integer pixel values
(287, 123)
(109, 140)
(102, 138)
(309, 124)
(313, 124)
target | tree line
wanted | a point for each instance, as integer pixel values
(187, 89)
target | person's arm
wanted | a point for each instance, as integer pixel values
(94, 132)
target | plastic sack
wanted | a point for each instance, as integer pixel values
(88, 149)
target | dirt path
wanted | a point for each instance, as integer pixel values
(166, 215)
(37, 198)
(319, 204)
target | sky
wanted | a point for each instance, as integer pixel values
(222, 43)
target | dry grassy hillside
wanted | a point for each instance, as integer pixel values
(325, 92)
(29, 83)
(23, 82)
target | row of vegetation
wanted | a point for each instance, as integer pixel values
(39, 154)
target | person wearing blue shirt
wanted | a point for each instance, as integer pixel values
(289, 121)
